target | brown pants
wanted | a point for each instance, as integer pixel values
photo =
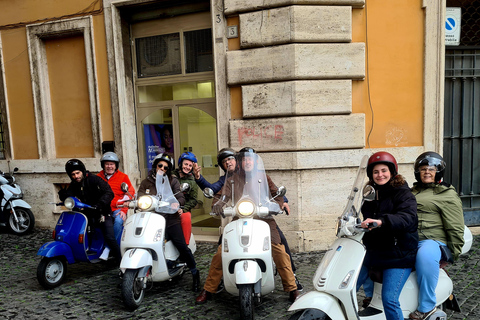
(280, 257)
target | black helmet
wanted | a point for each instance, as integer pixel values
(247, 151)
(223, 154)
(163, 157)
(430, 158)
(74, 165)
(109, 156)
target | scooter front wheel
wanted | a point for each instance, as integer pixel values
(133, 289)
(246, 301)
(51, 272)
(309, 314)
(25, 223)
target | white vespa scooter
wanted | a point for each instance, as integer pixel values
(146, 255)
(15, 213)
(248, 267)
(336, 277)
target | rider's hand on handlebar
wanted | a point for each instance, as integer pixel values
(217, 208)
(286, 208)
(371, 223)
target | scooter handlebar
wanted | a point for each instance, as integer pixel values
(369, 225)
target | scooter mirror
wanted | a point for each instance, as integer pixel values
(368, 193)
(184, 187)
(281, 191)
(124, 187)
(208, 193)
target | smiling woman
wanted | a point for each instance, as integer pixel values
(440, 225)
(392, 241)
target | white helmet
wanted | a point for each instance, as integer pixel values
(109, 156)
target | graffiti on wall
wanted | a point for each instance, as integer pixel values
(260, 134)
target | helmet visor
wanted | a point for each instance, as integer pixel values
(431, 162)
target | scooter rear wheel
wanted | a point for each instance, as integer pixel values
(246, 301)
(133, 289)
(25, 224)
(51, 272)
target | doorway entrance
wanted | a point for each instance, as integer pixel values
(175, 98)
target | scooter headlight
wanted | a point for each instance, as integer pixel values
(69, 203)
(145, 202)
(246, 208)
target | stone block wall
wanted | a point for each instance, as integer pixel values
(295, 67)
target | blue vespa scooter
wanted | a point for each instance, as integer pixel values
(73, 242)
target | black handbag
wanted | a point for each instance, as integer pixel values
(447, 255)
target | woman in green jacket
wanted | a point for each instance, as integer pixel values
(184, 173)
(440, 223)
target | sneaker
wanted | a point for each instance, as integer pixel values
(417, 315)
(105, 253)
(299, 285)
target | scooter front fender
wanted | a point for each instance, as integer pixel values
(136, 258)
(56, 249)
(320, 301)
(19, 203)
(247, 272)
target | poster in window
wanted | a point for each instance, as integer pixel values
(158, 139)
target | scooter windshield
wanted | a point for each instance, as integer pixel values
(167, 202)
(248, 181)
(355, 198)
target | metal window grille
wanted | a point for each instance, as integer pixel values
(198, 51)
(462, 111)
(462, 127)
(158, 55)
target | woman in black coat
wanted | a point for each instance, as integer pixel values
(392, 244)
(163, 163)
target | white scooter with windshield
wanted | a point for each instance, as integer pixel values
(146, 255)
(248, 267)
(336, 277)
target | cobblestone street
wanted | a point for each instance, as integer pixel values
(92, 291)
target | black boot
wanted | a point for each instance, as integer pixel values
(196, 281)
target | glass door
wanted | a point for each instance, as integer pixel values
(198, 134)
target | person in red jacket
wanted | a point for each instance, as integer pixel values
(115, 178)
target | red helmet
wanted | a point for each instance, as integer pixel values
(382, 157)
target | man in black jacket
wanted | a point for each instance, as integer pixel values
(92, 190)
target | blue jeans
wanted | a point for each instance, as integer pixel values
(118, 224)
(364, 279)
(368, 287)
(428, 268)
(393, 282)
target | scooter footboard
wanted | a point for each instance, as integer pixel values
(136, 258)
(320, 301)
(247, 272)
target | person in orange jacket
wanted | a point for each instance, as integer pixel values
(115, 178)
